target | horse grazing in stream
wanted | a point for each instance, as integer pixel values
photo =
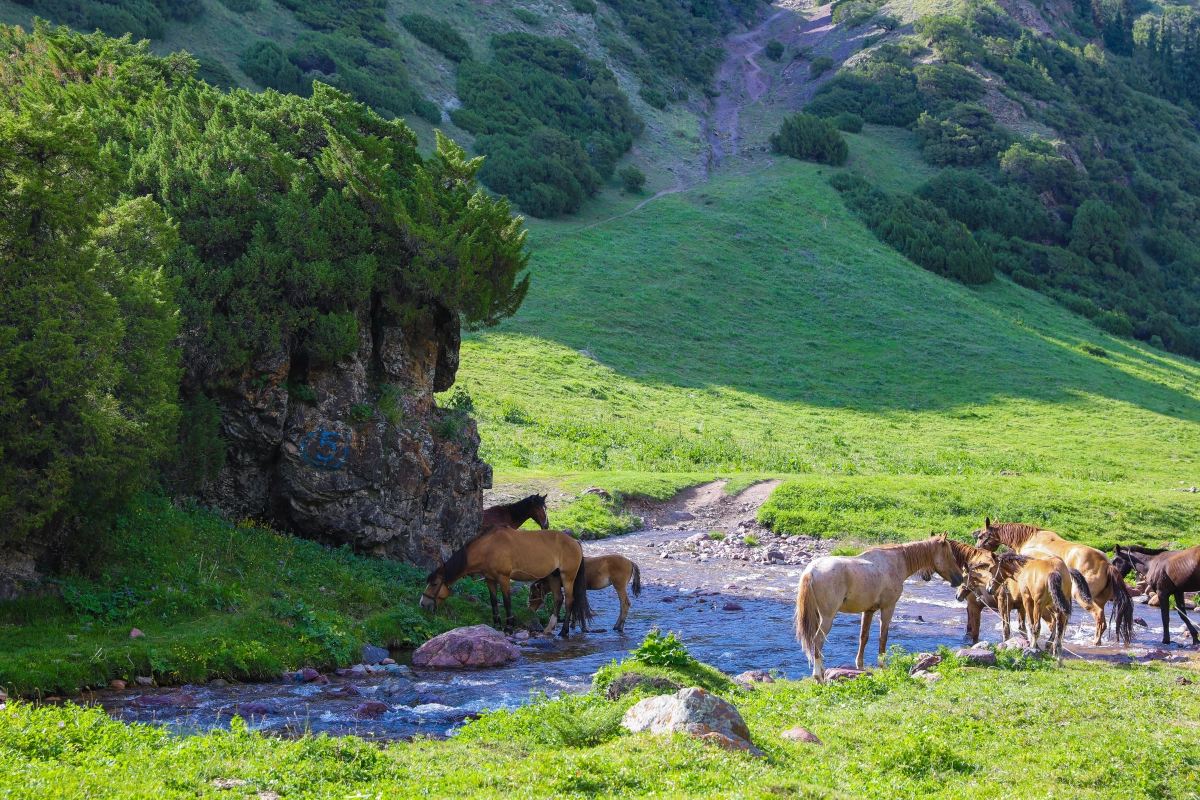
(863, 584)
(514, 515)
(1102, 578)
(1035, 586)
(503, 555)
(1170, 575)
(612, 570)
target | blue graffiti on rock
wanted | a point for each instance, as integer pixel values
(325, 449)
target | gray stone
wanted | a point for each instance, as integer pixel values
(924, 662)
(696, 712)
(1015, 643)
(977, 656)
(400, 691)
(372, 654)
(753, 676)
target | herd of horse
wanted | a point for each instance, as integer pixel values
(1038, 576)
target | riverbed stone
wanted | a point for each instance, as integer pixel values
(371, 708)
(628, 681)
(978, 656)
(474, 646)
(924, 662)
(372, 654)
(843, 674)
(1014, 643)
(732, 606)
(116, 685)
(753, 676)
(400, 691)
(694, 711)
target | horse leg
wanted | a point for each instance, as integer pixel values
(1034, 616)
(506, 590)
(823, 634)
(491, 584)
(1164, 608)
(864, 633)
(885, 622)
(1182, 609)
(974, 613)
(624, 597)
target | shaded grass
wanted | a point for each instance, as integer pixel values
(887, 508)
(214, 600)
(1126, 732)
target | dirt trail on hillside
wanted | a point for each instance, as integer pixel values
(705, 507)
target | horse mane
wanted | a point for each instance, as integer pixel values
(453, 567)
(1013, 534)
(1145, 551)
(963, 553)
(917, 555)
(1012, 562)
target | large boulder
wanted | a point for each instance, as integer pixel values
(476, 646)
(357, 451)
(696, 712)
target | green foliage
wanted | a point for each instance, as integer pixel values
(88, 364)
(853, 13)
(241, 6)
(774, 49)
(965, 136)
(439, 35)
(662, 651)
(584, 6)
(332, 337)
(590, 517)
(682, 41)
(982, 205)
(848, 122)
(551, 122)
(819, 66)
(1098, 233)
(633, 179)
(530, 18)
(142, 19)
(200, 453)
(267, 64)
(810, 138)
(572, 721)
(920, 230)
(214, 73)
(902, 508)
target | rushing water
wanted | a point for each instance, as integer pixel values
(679, 594)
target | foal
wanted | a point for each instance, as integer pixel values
(1036, 587)
(602, 571)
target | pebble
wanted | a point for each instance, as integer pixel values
(116, 685)
(731, 606)
(799, 734)
(142, 680)
(136, 634)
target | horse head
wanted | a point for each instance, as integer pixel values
(537, 508)
(987, 538)
(977, 577)
(537, 595)
(944, 562)
(1122, 561)
(437, 589)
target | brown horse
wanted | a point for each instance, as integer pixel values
(602, 571)
(977, 567)
(503, 555)
(1103, 580)
(514, 515)
(863, 584)
(1036, 588)
(1170, 575)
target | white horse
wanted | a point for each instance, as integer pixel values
(863, 584)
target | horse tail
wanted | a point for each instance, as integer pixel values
(1062, 603)
(808, 616)
(1081, 586)
(637, 580)
(581, 612)
(1122, 606)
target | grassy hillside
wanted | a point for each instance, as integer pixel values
(755, 325)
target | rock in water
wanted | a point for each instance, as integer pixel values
(400, 691)
(373, 655)
(693, 711)
(476, 646)
(800, 735)
(322, 458)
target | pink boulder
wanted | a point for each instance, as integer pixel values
(136, 634)
(371, 708)
(476, 646)
(843, 674)
(799, 734)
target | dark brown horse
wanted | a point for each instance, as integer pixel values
(1135, 558)
(503, 555)
(1102, 578)
(514, 515)
(1170, 575)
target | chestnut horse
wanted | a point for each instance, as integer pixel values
(1036, 588)
(602, 571)
(1102, 577)
(503, 555)
(514, 515)
(1170, 575)
(863, 584)
(977, 567)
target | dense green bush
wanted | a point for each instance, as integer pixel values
(810, 138)
(848, 122)
(774, 49)
(819, 66)
(214, 73)
(924, 233)
(439, 35)
(633, 178)
(551, 122)
(584, 6)
(528, 17)
(268, 65)
(144, 19)
(241, 6)
(981, 205)
(89, 369)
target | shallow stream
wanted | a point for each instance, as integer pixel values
(681, 594)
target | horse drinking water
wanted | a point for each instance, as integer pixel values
(863, 584)
(503, 555)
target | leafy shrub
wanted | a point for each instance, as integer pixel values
(774, 49)
(528, 17)
(965, 136)
(200, 454)
(214, 73)
(633, 178)
(439, 35)
(533, 83)
(662, 651)
(1093, 350)
(332, 337)
(653, 97)
(584, 6)
(981, 205)
(590, 517)
(1098, 234)
(241, 6)
(848, 122)
(819, 66)
(810, 138)
(266, 63)
(924, 233)
(681, 40)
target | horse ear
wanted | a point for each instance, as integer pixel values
(987, 522)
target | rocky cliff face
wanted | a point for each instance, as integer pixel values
(357, 451)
